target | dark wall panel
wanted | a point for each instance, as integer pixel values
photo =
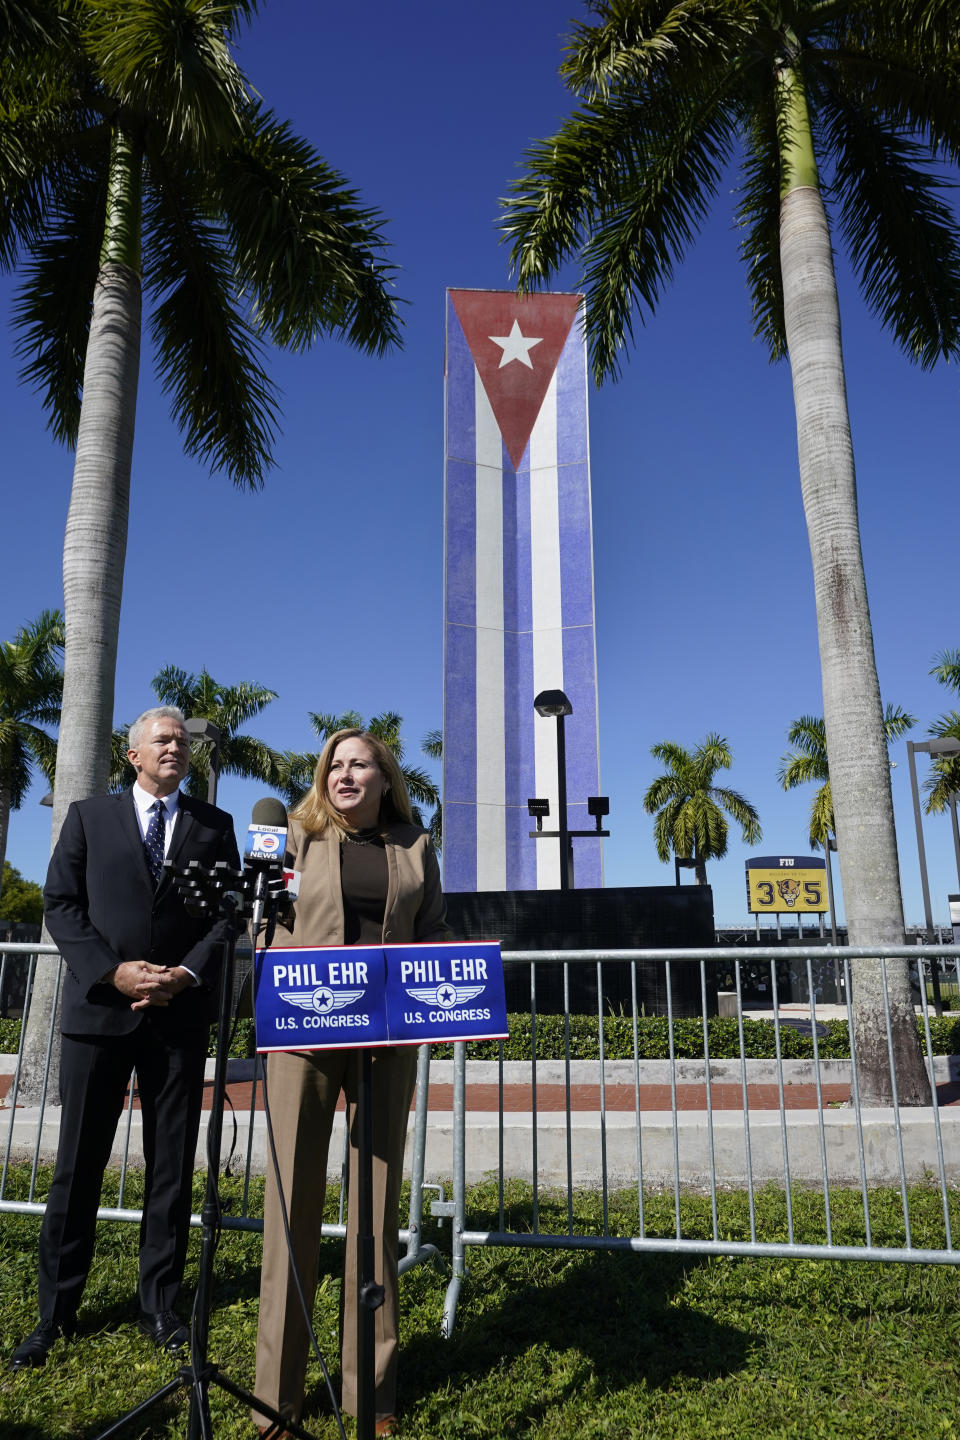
(619, 918)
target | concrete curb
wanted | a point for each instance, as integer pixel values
(675, 1149)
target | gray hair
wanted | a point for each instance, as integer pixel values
(158, 712)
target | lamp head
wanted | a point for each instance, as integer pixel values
(199, 729)
(552, 702)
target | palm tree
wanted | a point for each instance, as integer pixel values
(691, 811)
(135, 155)
(228, 707)
(944, 778)
(671, 94)
(296, 769)
(808, 761)
(31, 683)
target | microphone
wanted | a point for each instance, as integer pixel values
(263, 854)
(266, 836)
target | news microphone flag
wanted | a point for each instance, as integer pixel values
(266, 834)
(518, 587)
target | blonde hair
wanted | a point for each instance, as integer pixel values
(316, 810)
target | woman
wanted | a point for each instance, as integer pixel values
(368, 876)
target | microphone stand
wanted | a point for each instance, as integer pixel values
(200, 886)
(370, 1295)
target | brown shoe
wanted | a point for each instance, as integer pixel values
(389, 1425)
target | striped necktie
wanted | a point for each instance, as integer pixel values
(154, 839)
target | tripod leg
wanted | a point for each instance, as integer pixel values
(370, 1294)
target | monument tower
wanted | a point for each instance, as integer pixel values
(518, 587)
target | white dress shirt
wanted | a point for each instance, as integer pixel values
(144, 803)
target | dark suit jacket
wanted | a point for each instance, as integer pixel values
(100, 906)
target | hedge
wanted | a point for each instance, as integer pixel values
(653, 1042)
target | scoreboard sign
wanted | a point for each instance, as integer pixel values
(786, 884)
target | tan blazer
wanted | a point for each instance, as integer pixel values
(414, 908)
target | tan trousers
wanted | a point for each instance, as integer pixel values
(302, 1090)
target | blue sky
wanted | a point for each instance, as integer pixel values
(327, 586)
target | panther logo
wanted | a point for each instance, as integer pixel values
(789, 891)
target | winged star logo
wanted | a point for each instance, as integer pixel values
(321, 1000)
(445, 995)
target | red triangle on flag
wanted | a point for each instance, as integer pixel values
(515, 342)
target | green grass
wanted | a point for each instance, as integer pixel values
(557, 1343)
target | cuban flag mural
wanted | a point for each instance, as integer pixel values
(518, 588)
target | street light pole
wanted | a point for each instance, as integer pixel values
(547, 703)
(952, 802)
(946, 745)
(209, 734)
(912, 747)
(566, 844)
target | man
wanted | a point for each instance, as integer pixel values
(139, 992)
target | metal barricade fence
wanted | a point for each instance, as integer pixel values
(29, 1132)
(659, 1152)
(701, 1181)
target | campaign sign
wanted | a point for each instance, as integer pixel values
(318, 999)
(449, 991)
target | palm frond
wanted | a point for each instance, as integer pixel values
(435, 828)
(43, 749)
(943, 779)
(946, 668)
(900, 232)
(637, 41)
(822, 824)
(740, 810)
(52, 310)
(758, 214)
(326, 725)
(173, 686)
(626, 184)
(294, 776)
(121, 774)
(250, 758)
(798, 769)
(386, 727)
(307, 249)
(420, 786)
(210, 360)
(171, 60)
(432, 744)
(26, 25)
(897, 721)
(15, 770)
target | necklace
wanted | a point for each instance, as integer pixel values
(369, 836)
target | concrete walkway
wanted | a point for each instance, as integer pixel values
(602, 1134)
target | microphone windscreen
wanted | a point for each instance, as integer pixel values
(269, 811)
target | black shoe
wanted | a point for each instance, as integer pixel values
(32, 1352)
(164, 1328)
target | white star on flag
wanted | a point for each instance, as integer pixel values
(515, 347)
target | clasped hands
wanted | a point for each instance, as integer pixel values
(145, 984)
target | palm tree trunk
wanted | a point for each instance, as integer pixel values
(95, 546)
(853, 714)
